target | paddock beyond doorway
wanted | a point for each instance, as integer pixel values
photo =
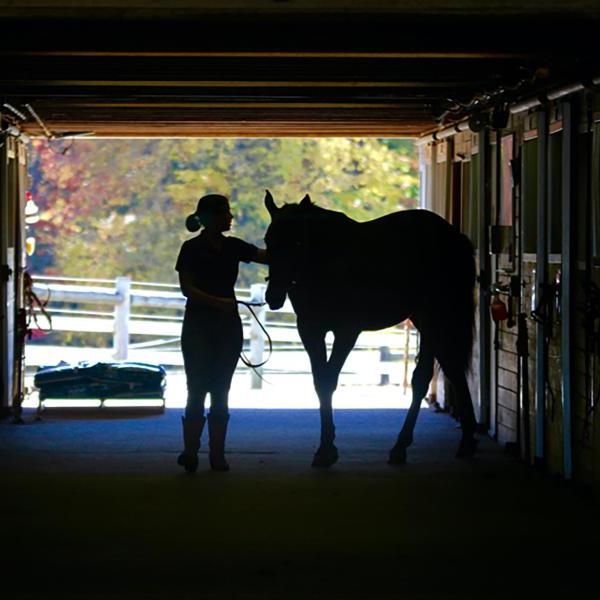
(98, 509)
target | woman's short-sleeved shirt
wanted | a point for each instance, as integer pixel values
(214, 272)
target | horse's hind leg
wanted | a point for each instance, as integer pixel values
(420, 384)
(455, 373)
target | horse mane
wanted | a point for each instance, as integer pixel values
(308, 207)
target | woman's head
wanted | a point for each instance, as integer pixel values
(212, 212)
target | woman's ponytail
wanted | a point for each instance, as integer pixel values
(207, 205)
(192, 223)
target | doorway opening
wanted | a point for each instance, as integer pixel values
(110, 220)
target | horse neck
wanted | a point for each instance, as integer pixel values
(330, 242)
(332, 232)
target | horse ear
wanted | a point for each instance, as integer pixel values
(270, 204)
(306, 202)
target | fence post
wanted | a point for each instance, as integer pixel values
(257, 337)
(122, 310)
(385, 357)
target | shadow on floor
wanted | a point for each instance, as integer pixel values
(95, 507)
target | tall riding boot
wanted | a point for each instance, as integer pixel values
(217, 430)
(192, 430)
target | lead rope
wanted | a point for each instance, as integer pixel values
(243, 357)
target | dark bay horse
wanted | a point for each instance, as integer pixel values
(346, 277)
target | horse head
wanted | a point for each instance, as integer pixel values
(284, 240)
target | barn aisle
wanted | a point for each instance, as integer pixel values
(95, 507)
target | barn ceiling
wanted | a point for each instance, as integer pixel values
(283, 67)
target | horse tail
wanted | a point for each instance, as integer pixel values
(463, 309)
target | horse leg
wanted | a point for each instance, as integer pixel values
(313, 339)
(344, 341)
(420, 384)
(455, 373)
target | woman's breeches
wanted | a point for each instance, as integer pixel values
(211, 343)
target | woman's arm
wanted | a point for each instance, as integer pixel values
(261, 256)
(189, 290)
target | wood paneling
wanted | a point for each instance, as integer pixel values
(508, 380)
(507, 418)
(507, 398)
(508, 360)
(506, 434)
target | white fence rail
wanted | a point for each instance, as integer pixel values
(162, 312)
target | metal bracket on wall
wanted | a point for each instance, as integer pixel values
(5, 273)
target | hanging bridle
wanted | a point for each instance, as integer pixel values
(32, 301)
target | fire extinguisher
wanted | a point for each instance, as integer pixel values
(498, 309)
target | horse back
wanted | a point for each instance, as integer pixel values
(407, 228)
(377, 272)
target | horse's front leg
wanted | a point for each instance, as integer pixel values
(313, 338)
(325, 384)
(325, 376)
(344, 341)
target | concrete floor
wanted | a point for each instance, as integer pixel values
(95, 507)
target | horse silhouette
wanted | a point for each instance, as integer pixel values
(346, 277)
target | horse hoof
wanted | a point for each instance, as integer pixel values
(325, 458)
(397, 456)
(467, 448)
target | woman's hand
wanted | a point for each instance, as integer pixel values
(227, 305)
(261, 256)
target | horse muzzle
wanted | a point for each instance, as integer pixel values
(275, 297)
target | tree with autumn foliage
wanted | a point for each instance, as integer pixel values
(118, 207)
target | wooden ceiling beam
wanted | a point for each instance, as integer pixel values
(245, 74)
(450, 55)
(212, 129)
(237, 105)
(231, 84)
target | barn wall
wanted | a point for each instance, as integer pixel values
(507, 377)
(586, 413)
(513, 205)
(12, 261)
(464, 216)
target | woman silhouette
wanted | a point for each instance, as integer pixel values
(212, 335)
